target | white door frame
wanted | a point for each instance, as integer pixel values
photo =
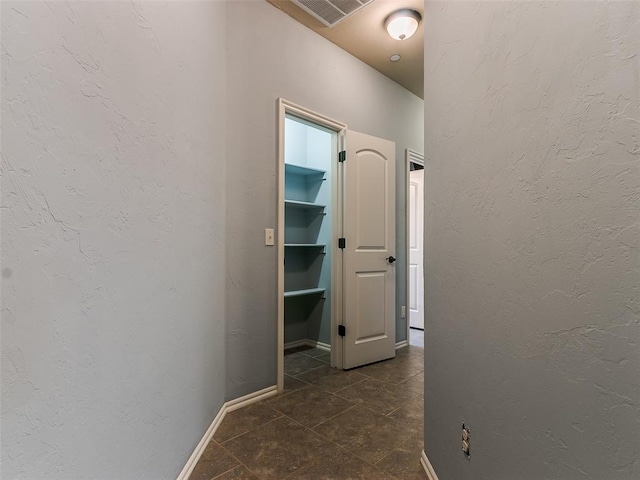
(415, 157)
(286, 107)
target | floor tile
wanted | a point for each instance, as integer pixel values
(315, 352)
(215, 461)
(238, 473)
(367, 434)
(341, 465)
(410, 350)
(404, 461)
(412, 386)
(310, 405)
(324, 357)
(393, 371)
(415, 361)
(302, 348)
(411, 414)
(244, 419)
(331, 379)
(292, 384)
(297, 363)
(379, 396)
(278, 449)
(380, 438)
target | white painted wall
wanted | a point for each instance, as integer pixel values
(113, 196)
(532, 185)
(271, 56)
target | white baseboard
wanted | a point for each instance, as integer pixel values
(297, 343)
(254, 397)
(227, 407)
(319, 345)
(428, 468)
(308, 343)
(402, 344)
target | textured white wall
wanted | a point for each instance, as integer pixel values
(532, 144)
(113, 239)
(271, 56)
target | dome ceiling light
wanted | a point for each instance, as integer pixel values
(402, 24)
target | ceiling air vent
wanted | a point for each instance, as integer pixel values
(331, 12)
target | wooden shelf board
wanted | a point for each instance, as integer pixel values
(308, 291)
(309, 245)
(300, 170)
(303, 205)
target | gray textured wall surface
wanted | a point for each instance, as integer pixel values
(532, 145)
(113, 216)
(271, 56)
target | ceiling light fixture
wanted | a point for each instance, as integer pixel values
(401, 24)
(395, 57)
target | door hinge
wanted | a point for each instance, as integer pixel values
(342, 242)
(342, 156)
(342, 331)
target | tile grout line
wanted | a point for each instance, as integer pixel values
(307, 371)
(240, 464)
(337, 414)
(253, 428)
(231, 469)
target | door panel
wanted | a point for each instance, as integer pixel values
(413, 287)
(416, 257)
(369, 229)
(370, 326)
(371, 215)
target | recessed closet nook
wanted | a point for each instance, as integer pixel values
(308, 191)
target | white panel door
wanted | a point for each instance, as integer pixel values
(416, 257)
(369, 268)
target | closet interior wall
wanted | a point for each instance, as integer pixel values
(309, 150)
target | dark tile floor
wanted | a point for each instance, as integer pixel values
(328, 424)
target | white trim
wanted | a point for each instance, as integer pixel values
(296, 344)
(428, 468)
(199, 450)
(308, 343)
(415, 157)
(402, 344)
(280, 245)
(287, 107)
(254, 397)
(319, 345)
(227, 407)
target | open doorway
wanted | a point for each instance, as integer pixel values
(336, 242)
(308, 276)
(415, 247)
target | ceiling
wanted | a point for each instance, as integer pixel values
(363, 35)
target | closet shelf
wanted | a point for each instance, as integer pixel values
(307, 245)
(308, 291)
(303, 205)
(305, 171)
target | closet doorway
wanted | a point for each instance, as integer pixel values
(415, 246)
(309, 270)
(336, 240)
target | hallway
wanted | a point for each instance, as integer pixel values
(365, 423)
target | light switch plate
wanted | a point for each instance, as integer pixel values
(269, 237)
